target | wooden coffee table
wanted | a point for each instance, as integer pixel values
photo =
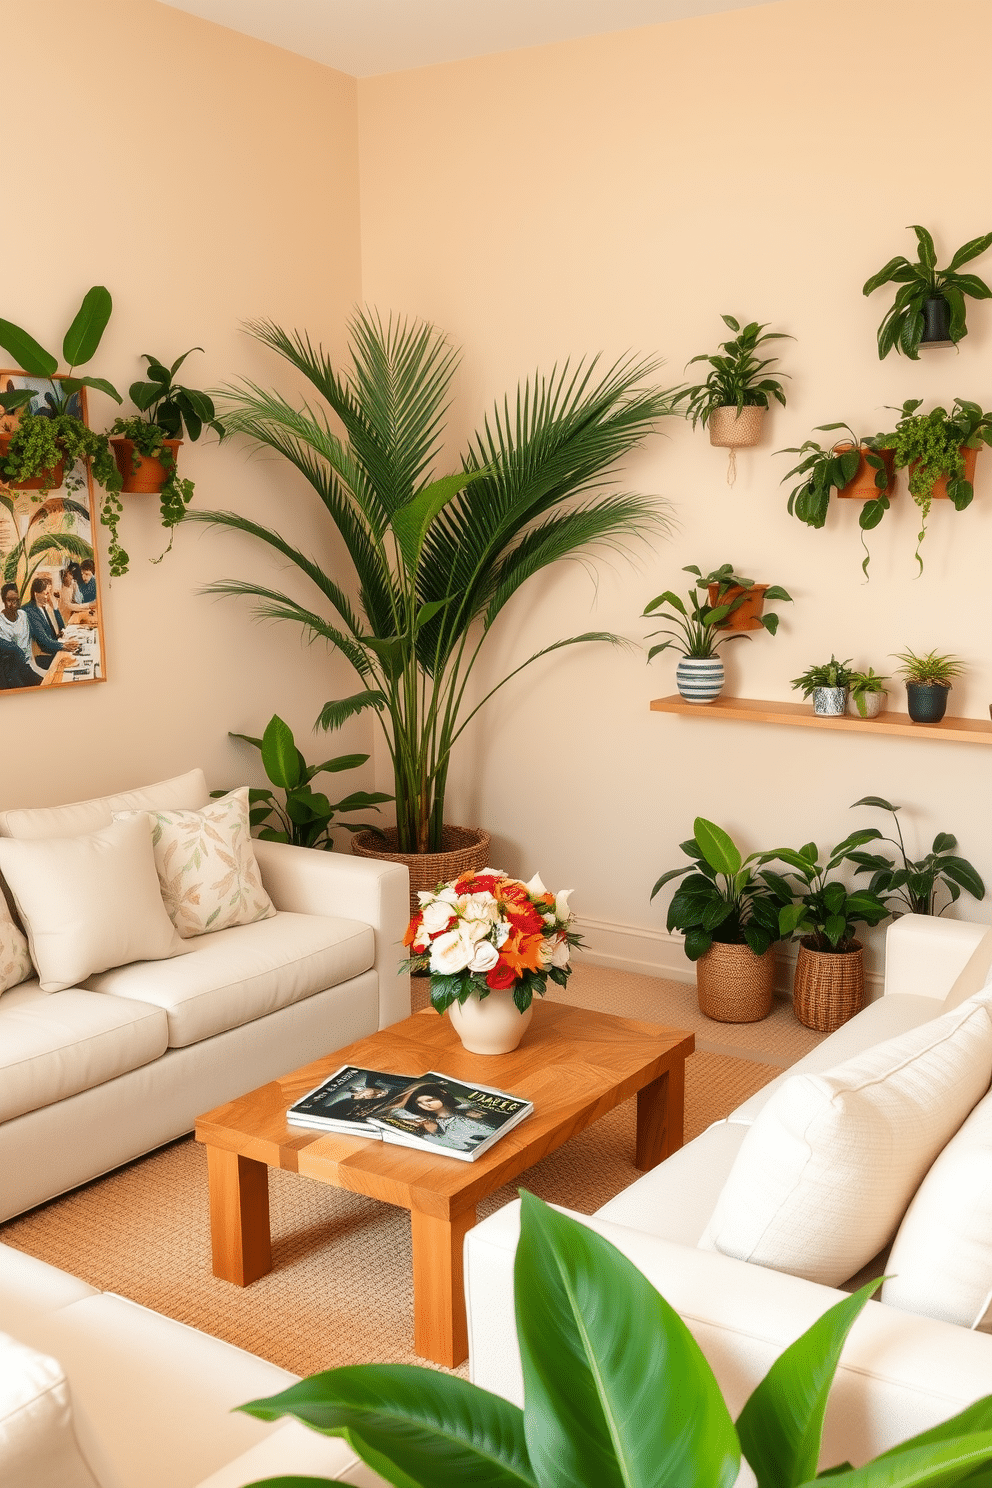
(573, 1064)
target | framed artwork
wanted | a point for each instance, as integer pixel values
(51, 604)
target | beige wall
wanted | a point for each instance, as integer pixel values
(621, 192)
(205, 178)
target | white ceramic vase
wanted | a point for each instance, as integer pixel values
(490, 1025)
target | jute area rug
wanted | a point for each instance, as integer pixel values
(340, 1291)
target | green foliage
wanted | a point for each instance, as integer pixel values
(823, 469)
(914, 886)
(931, 668)
(832, 673)
(618, 1395)
(169, 406)
(824, 914)
(79, 346)
(437, 559)
(902, 325)
(933, 445)
(723, 900)
(735, 376)
(860, 684)
(697, 625)
(303, 816)
(726, 580)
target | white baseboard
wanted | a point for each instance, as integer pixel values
(648, 951)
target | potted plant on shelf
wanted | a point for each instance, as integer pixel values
(745, 598)
(941, 451)
(731, 402)
(700, 631)
(827, 685)
(729, 915)
(914, 887)
(856, 468)
(595, 1336)
(145, 445)
(829, 982)
(490, 943)
(928, 681)
(866, 694)
(436, 559)
(929, 308)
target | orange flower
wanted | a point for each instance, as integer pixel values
(411, 930)
(522, 952)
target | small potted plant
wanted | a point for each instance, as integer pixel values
(745, 598)
(829, 981)
(866, 694)
(731, 402)
(827, 685)
(928, 681)
(857, 468)
(929, 308)
(941, 450)
(729, 915)
(698, 634)
(915, 887)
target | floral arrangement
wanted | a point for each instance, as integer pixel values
(485, 932)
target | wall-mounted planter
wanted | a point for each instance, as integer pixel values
(863, 487)
(970, 457)
(936, 324)
(144, 474)
(747, 615)
(699, 679)
(49, 480)
(732, 429)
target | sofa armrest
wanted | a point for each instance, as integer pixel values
(305, 881)
(899, 1373)
(924, 954)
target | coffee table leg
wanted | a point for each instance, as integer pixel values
(660, 1114)
(440, 1327)
(239, 1216)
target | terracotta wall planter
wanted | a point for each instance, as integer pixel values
(464, 848)
(732, 430)
(940, 484)
(863, 487)
(143, 474)
(746, 615)
(50, 480)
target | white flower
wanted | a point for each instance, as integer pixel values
(546, 950)
(421, 940)
(502, 931)
(561, 905)
(448, 895)
(481, 907)
(426, 896)
(559, 954)
(485, 958)
(535, 887)
(451, 953)
(436, 916)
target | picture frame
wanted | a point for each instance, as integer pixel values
(53, 635)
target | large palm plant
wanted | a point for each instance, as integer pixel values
(436, 559)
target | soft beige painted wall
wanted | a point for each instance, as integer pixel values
(621, 192)
(205, 178)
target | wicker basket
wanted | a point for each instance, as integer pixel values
(732, 430)
(734, 985)
(829, 987)
(464, 848)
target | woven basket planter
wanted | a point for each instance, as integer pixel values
(732, 430)
(734, 985)
(464, 848)
(829, 987)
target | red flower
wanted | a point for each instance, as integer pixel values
(411, 930)
(525, 918)
(501, 976)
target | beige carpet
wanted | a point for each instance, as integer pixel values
(340, 1289)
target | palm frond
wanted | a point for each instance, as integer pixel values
(269, 604)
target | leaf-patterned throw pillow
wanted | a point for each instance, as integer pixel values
(15, 958)
(206, 866)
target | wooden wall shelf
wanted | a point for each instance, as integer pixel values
(801, 715)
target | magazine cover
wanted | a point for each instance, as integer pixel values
(346, 1099)
(439, 1114)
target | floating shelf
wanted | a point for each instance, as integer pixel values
(801, 715)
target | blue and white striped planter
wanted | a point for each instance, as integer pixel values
(699, 680)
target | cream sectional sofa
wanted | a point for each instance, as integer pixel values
(900, 1372)
(95, 1075)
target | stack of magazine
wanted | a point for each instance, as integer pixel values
(431, 1112)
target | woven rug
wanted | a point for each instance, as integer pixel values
(340, 1291)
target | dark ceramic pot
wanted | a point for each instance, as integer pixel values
(927, 701)
(936, 322)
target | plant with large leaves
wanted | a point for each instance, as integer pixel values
(923, 287)
(824, 913)
(617, 1395)
(914, 887)
(436, 559)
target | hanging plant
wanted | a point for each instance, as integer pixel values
(733, 398)
(940, 450)
(860, 461)
(929, 305)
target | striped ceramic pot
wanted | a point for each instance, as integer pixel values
(699, 680)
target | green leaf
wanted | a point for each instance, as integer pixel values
(334, 714)
(595, 1338)
(961, 872)
(970, 250)
(25, 351)
(926, 250)
(937, 1465)
(716, 847)
(416, 1427)
(73, 384)
(886, 274)
(878, 801)
(84, 335)
(280, 756)
(667, 877)
(411, 522)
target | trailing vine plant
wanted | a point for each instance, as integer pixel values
(932, 445)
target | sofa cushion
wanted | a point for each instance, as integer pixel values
(974, 974)
(89, 902)
(830, 1164)
(55, 1044)
(182, 792)
(15, 959)
(38, 1447)
(676, 1199)
(222, 980)
(206, 866)
(941, 1261)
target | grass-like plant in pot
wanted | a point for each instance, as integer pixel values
(928, 680)
(929, 307)
(941, 450)
(915, 886)
(857, 467)
(866, 694)
(436, 559)
(697, 628)
(827, 684)
(728, 912)
(617, 1394)
(732, 400)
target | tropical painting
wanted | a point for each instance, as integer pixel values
(51, 630)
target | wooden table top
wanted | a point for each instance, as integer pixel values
(574, 1065)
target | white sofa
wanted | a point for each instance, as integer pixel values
(93, 1076)
(900, 1372)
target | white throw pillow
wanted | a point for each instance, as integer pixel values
(206, 866)
(185, 792)
(827, 1170)
(38, 1447)
(90, 902)
(941, 1262)
(15, 959)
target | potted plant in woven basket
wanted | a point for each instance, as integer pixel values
(729, 915)
(489, 943)
(928, 681)
(829, 985)
(731, 402)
